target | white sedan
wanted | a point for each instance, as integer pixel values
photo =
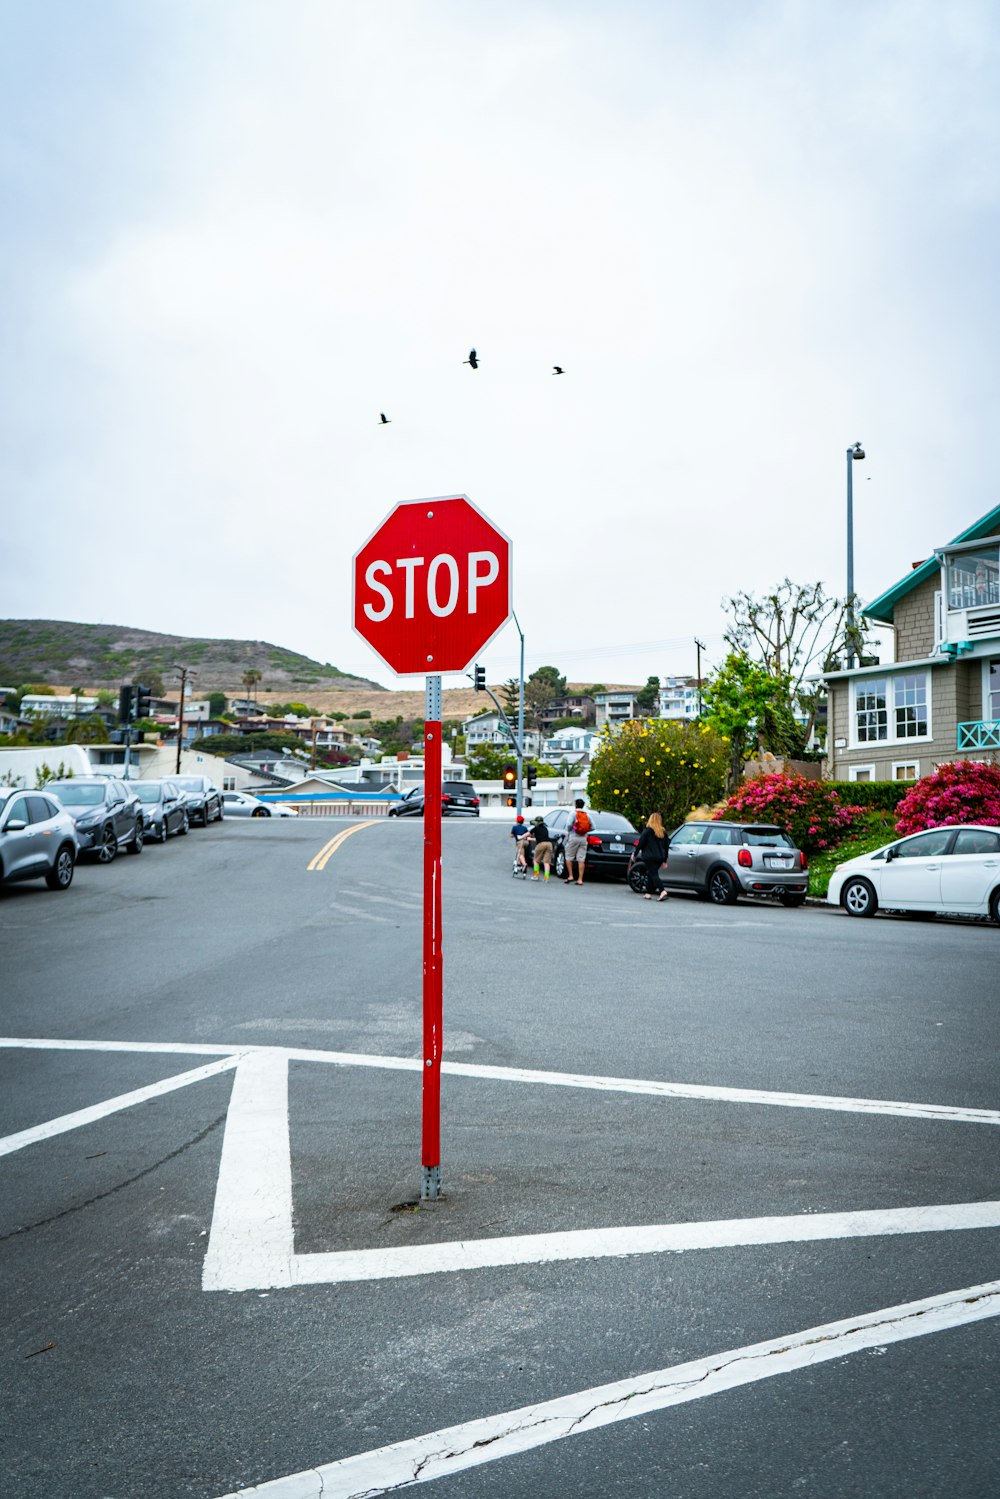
(955, 870)
(242, 804)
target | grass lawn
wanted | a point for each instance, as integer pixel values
(877, 829)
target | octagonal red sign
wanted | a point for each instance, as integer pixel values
(432, 586)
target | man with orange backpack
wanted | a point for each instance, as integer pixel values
(576, 843)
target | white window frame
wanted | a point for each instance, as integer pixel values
(901, 765)
(985, 694)
(853, 772)
(892, 739)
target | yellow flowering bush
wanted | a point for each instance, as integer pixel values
(657, 765)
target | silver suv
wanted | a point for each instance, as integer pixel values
(721, 861)
(37, 839)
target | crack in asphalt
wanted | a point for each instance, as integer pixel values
(27, 1228)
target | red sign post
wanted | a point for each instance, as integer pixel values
(432, 586)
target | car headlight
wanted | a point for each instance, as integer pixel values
(90, 821)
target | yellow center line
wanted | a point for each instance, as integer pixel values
(319, 861)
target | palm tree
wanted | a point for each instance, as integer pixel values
(250, 679)
(77, 693)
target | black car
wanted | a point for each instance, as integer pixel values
(610, 842)
(107, 816)
(204, 799)
(458, 798)
(164, 807)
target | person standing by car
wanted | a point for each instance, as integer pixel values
(543, 848)
(519, 833)
(652, 849)
(576, 843)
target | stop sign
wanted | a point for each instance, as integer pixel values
(432, 586)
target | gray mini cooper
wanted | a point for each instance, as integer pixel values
(720, 861)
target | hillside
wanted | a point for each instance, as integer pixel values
(67, 653)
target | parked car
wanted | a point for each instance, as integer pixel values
(37, 839)
(203, 797)
(610, 842)
(164, 807)
(107, 818)
(953, 869)
(720, 861)
(458, 798)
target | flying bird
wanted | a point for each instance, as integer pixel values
(385, 419)
(473, 359)
(557, 369)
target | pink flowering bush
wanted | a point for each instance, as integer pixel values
(964, 791)
(810, 812)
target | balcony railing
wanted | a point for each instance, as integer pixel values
(980, 734)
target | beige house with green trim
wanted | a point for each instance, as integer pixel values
(940, 699)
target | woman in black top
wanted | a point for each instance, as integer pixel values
(652, 849)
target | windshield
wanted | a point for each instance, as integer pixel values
(611, 822)
(147, 791)
(189, 783)
(464, 788)
(72, 794)
(767, 838)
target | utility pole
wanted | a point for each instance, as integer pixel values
(854, 455)
(312, 762)
(700, 646)
(185, 673)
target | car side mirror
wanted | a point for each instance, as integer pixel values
(16, 825)
(890, 853)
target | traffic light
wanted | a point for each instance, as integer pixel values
(531, 775)
(125, 705)
(512, 801)
(143, 701)
(479, 679)
(509, 780)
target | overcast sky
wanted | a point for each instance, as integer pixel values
(234, 231)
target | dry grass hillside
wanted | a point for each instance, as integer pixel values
(457, 702)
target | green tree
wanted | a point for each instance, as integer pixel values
(662, 765)
(748, 707)
(648, 697)
(510, 695)
(544, 687)
(217, 704)
(487, 762)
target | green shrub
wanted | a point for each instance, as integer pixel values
(659, 765)
(885, 795)
(810, 812)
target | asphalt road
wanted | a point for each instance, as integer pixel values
(224, 1284)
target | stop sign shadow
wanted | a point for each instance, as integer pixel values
(432, 586)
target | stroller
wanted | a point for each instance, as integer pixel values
(518, 870)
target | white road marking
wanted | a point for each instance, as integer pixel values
(439, 1454)
(947, 1113)
(252, 1242)
(97, 1111)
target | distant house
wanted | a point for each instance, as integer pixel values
(940, 699)
(575, 746)
(487, 729)
(57, 706)
(678, 698)
(615, 707)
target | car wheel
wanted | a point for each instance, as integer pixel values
(185, 824)
(138, 839)
(637, 877)
(560, 865)
(108, 846)
(995, 906)
(858, 898)
(721, 888)
(792, 900)
(164, 830)
(259, 812)
(60, 876)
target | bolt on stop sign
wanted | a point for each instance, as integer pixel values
(432, 586)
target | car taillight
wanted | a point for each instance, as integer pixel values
(745, 858)
(475, 801)
(803, 861)
(593, 841)
(445, 797)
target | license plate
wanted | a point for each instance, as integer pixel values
(617, 848)
(779, 863)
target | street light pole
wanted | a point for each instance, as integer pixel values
(185, 673)
(856, 452)
(520, 724)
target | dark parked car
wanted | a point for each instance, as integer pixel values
(458, 798)
(204, 799)
(164, 808)
(107, 817)
(720, 861)
(610, 842)
(37, 839)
